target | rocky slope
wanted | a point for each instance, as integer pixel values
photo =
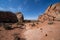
(52, 13)
(47, 27)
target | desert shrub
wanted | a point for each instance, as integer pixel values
(16, 37)
(22, 27)
(7, 27)
(50, 22)
(22, 39)
(32, 24)
(37, 23)
(41, 29)
(18, 23)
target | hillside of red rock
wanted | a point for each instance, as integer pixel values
(52, 13)
(46, 27)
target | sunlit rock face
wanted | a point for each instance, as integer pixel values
(52, 13)
(20, 16)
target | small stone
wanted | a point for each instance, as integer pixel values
(41, 29)
(45, 34)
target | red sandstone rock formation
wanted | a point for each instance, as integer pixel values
(7, 17)
(47, 27)
(20, 17)
(52, 13)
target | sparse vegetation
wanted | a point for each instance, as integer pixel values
(37, 23)
(22, 27)
(18, 23)
(22, 39)
(16, 37)
(50, 22)
(33, 24)
(7, 27)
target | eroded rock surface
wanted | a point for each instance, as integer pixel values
(52, 13)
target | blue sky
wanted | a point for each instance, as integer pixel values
(31, 9)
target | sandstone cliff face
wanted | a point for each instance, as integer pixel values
(52, 13)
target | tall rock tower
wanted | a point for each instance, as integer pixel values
(20, 17)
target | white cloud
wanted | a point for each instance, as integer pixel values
(2, 9)
(18, 9)
(12, 9)
(8, 9)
